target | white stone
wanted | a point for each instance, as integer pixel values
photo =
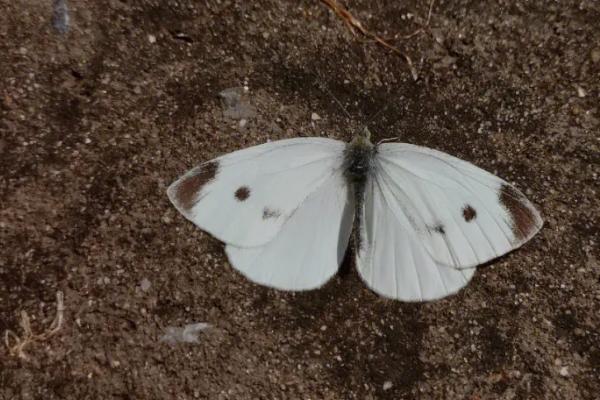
(145, 284)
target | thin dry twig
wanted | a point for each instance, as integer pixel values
(18, 348)
(355, 25)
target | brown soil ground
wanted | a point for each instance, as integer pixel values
(96, 123)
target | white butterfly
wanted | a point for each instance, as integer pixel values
(425, 219)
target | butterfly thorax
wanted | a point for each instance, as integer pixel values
(358, 159)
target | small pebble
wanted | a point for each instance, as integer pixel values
(145, 284)
(564, 371)
(186, 334)
(60, 16)
(151, 39)
(315, 117)
(236, 106)
(387, 385)
(581, 91)
(595, 54)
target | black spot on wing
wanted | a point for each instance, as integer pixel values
(187, 190)
(242, 193)
(269, 213)
(439, 228)
(469, 213)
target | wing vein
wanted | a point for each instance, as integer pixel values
(472, 192)
(419, 285)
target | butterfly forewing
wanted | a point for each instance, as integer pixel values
(244, 198)
(463, 215)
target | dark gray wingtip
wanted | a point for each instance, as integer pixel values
(184, 192)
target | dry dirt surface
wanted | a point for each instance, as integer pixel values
(95, 123)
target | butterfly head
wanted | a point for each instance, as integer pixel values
(362, 139)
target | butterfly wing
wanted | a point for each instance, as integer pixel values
(310, 246)
(245, 197)
(392, 260)
(463, 215)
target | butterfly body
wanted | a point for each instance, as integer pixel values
(358, 164)
(423, 220)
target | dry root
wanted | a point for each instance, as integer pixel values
(354, 25)
(16, 345)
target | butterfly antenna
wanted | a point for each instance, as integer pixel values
(339, 103)
(367, 133)
(372, 118)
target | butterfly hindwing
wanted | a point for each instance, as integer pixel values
(310, 246)
(392, 261)
(245, 197)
